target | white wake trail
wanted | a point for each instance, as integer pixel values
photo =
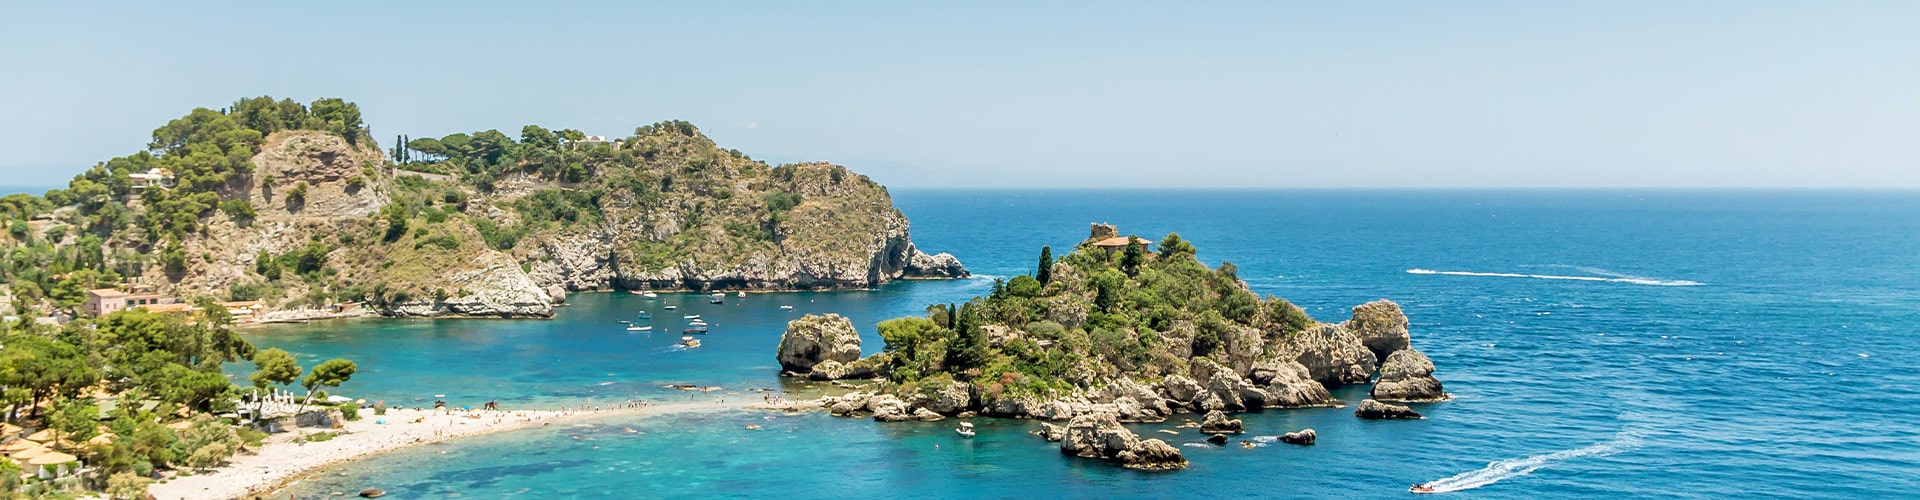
(1636, 281)
(1516, 467)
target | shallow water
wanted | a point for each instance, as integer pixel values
(1599, 343)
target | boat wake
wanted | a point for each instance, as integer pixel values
(1610, 279)
(1516, 467)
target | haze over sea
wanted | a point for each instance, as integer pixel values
(1608, 343)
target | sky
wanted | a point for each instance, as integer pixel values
(1742, 94)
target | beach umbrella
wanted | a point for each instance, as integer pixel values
(43, 436)
(29, 453)
(52, 458)
(17, 445)
(102, 439)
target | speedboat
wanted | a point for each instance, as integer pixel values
(697, 323)
(786, 308)
(698, 329)
(649, 294)
(742, 294)
(690, 316)
(689, 342)
(640, 328)
(718, 298)
(671, 307)
(965, 430)
(1421, 488)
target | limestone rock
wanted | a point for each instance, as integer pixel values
(1332, 355)
(926, 415)
(814, 338)
(1182, 389)
(1051, 433)
(1375, 410)
(954, 398)
(556, 295)
(1217, 439)
(942, 265)
(1303, 437)
(1216, 422)
(1100, 435)
(887, 408)
(1381, 326)
(829, 370)
(1289, 385)
(1407, 375)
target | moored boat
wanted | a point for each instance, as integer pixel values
(965, 430)
(640, 328)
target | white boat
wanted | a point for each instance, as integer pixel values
(697, 323)
(671, 307)
(742, 294)
(690, 316)
(718, 298)
(639, 328)
(644, 315)
(965, 430)
(650, 295)
(786, 308)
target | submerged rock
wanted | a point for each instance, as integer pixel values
(1217, 439)
(1407, 375)
(1216, 422)
(814, 338)
(1299, 437)
(1375, 410)
(373, 493)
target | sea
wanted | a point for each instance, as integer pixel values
(1599, 344)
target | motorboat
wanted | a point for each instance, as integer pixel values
(689, 342)
(718, 298)
(698, 329)
(965, 430)
(649, 294)
(742, 294)
(644, 315)
(640, 328)
(671, 307)
(690, 316)
(1421, 488)
(786, 308)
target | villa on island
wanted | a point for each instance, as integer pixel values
(153, 177)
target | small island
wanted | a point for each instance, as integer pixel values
(1116, 331)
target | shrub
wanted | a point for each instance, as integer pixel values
(350, 411)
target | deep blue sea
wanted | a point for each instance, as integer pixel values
(1617, 343)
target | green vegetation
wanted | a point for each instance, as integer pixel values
(1113, 313)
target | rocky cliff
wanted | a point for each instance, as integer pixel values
(303, 209)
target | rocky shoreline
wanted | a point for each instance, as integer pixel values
(1325, 355)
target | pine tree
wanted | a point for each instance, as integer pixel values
(1045, 275)
(1130, 262)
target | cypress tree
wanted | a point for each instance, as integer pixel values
(1045, 275)
(1130, 261)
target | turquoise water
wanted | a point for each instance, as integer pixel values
(1601, 343)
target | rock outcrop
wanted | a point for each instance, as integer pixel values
(1289, 385)
(1217, 422)
(1101, 436)
(1304, 437)
(1332, 355)
(1407, 375)
(1381, 326)
(1375, 410)
(813, 339)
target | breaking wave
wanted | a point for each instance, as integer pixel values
(1613, 279)
(1515, 467)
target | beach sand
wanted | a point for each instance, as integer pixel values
(283, 460)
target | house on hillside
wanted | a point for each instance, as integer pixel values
(153, 177)
(104, 301)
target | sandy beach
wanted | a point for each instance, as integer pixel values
(283, 460)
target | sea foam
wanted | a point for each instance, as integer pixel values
(1515, 467)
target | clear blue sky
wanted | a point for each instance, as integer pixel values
(1260, 94)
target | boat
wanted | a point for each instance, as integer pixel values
(697, 323)
(965, 430)
(742, 294)
(718, 298)
(786, 308)
(635, 292)
(649, 294)
(690, 316)
(671, 307)
(698, 329)
(640, 328)
(624, 321)
(644, 315)
(1421, 488)
(689, 342)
